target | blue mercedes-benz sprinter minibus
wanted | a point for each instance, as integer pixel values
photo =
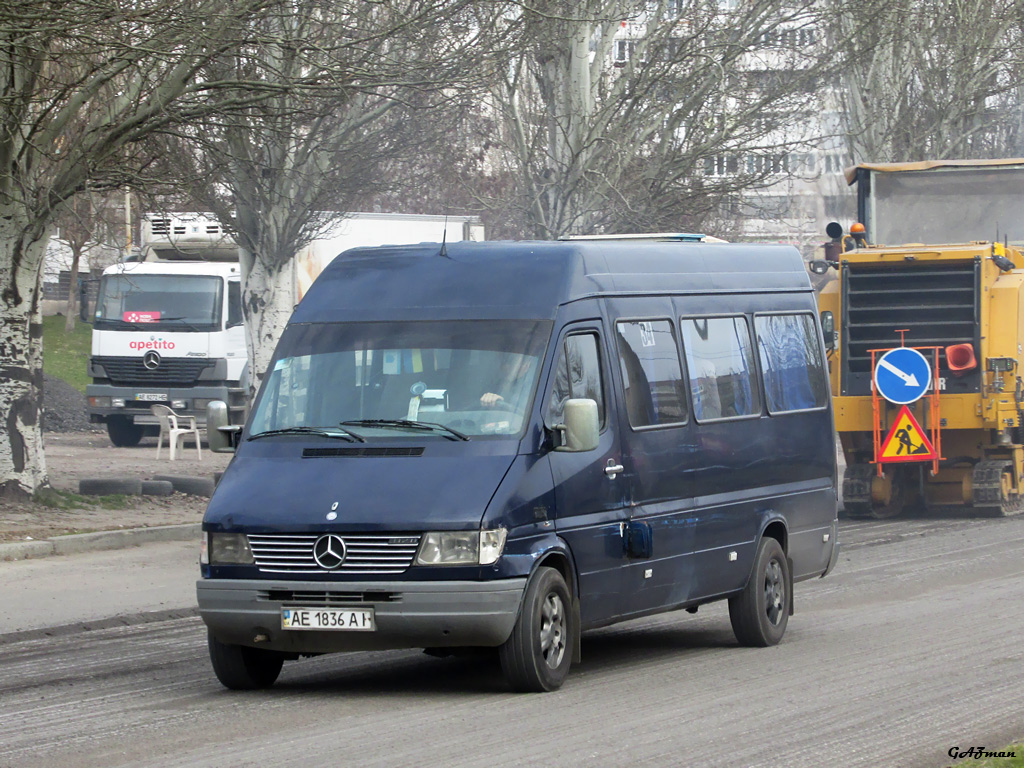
(504, 444)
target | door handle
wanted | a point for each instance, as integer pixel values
(613, 469)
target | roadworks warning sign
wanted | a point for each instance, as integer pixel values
(906, 440)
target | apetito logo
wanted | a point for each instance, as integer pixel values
(152, 344)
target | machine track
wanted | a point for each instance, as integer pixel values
(990, 496)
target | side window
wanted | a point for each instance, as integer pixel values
(234, 303)
(651, 373)
(794, 373)
(720, 359)
(577, 374)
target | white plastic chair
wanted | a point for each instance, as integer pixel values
(169, 421)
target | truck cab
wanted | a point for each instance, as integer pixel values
(168, 333)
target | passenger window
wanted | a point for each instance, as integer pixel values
(794, 373)
(651, 373)
(577, 374)
(234, 304)
(720, 359)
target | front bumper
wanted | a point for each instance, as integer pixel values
(408, 614)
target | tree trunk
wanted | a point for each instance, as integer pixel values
(72, 309)
(22, 463)
(267, 299)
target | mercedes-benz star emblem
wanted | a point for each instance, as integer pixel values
(151, 360)
(329, 551)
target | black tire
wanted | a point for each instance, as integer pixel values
(123, 433)
(157, 488)
(195, 486)
(537, 655)
(243, 669)
(760, 613)
(110, 486)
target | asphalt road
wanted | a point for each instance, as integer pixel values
(913, 646)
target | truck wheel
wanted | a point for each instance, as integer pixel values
(537, 655)
(243, 669)
(123, 433)
(760, 613)
(862, 499)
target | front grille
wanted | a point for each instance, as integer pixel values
(129, 371)
(293, 553)
(936, 303)
(325, 598)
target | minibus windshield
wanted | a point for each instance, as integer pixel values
(378, 380)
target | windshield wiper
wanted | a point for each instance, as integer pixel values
(336, 433)
(423, 426)
(180, 320)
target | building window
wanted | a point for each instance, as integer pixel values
(624, 50)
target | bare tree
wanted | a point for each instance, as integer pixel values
(928, 80)
(87, 223)
(80, 84)
(635, 115)
(351, 82)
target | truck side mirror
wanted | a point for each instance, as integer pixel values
(223, 437)
(581, 425)
(83, 302)
(828, 329)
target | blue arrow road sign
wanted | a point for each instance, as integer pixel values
(902, 375)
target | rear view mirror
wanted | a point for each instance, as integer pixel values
(221, 436)
(828, 329)
(580, 427)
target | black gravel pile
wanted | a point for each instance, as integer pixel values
(64, 408)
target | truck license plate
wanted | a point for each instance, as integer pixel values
(352, 619)
(151, 397)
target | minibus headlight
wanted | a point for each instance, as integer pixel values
(230, 549)
(461, 547)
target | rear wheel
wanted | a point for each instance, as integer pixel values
(123, 432)
(241, 668)
(537, 655)
(760, 613)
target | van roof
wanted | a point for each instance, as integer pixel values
(529, 280)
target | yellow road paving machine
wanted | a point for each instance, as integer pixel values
(925, 360)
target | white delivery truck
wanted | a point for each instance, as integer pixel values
(168, 328)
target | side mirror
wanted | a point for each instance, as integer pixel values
(223, 437)
(581, 426)
(83, 302)
(828, 329)
(820, 266)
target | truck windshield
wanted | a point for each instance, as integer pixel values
(171, 302)
(392, 379)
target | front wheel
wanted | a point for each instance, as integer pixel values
(760, 613)
(241, 668)
(537, 655)
(124, 433)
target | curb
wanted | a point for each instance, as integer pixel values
(99, 541)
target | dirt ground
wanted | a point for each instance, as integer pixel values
(73, 456)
